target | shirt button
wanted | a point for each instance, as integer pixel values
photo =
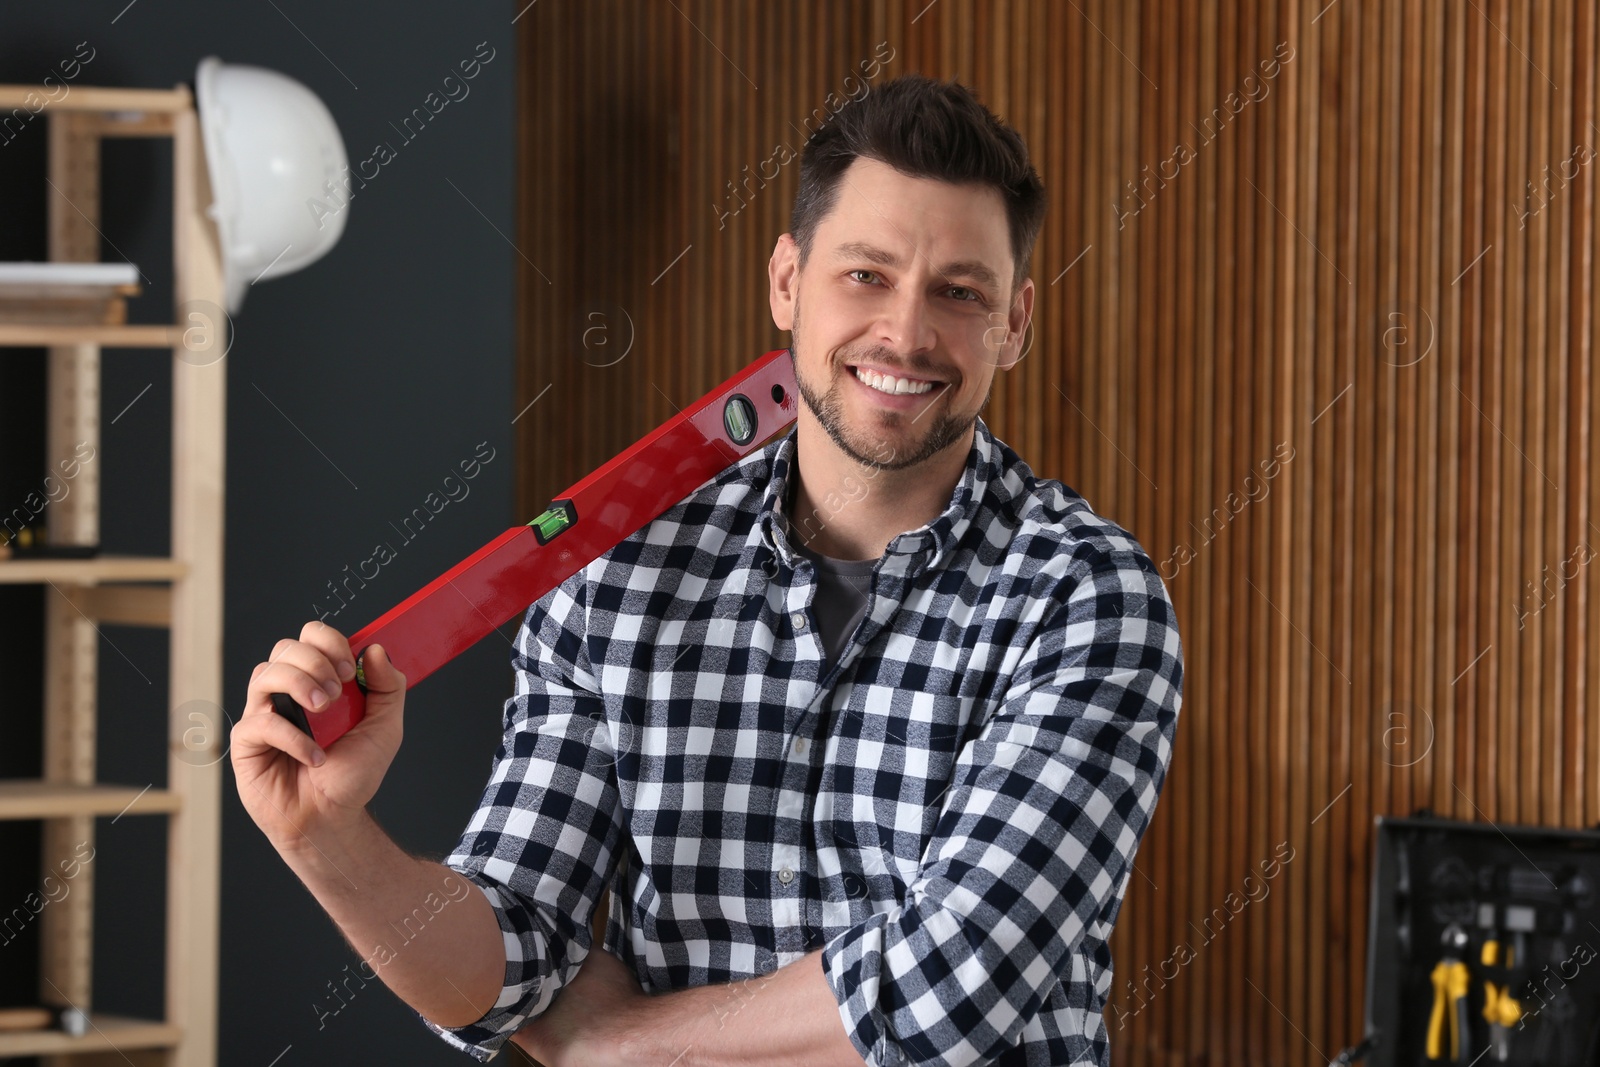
(799, 620)
(785, 875)
(800, 744)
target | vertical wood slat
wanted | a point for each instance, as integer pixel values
(1581, 745)
(1456, 333)
(1549, 804)
(1282, 661)
(1352, 639)
(1501, 739)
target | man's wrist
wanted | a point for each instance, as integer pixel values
(317, 840)
(340, 861)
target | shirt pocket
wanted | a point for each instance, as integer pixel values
(891, 758)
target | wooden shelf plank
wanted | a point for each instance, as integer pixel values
(20, 335)
(95, 98)
(108, 1032)
(131, 124)
(92, 571)
(31, 798)
(124, 605)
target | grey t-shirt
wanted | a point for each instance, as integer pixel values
(844, 585)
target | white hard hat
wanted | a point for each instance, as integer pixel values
(271, 148)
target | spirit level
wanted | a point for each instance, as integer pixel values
(500, 580)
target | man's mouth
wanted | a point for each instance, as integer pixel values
(893, 385)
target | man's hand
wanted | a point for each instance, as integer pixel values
(289, 786)
(582, 1026)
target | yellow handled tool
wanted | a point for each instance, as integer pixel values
(1450, 980)
(1449, 992)
(1499, 1006)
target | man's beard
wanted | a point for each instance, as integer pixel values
(828, 408)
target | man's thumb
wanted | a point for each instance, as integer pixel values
(383, 678)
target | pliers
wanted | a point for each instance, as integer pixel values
(1450, 981)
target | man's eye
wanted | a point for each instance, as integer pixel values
(862, 270)
(963, 289)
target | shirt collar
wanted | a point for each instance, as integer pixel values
(929, 544)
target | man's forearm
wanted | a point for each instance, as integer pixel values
(425, 930)
(789, 1017)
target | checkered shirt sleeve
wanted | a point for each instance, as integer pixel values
(543, 840)
(1035, 838)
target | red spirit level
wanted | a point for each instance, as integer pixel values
(499, 581)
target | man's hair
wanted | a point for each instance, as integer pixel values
(925, 129)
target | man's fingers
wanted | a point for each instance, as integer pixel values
(258, 733)
(332, 644)
(311, 685)
(315, 662)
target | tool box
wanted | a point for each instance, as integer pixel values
(1483, 945)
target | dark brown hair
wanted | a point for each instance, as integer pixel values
(926, 129)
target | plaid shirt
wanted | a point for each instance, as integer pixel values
(949, 812)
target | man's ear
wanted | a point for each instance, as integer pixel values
(1017, 324)
(783, 275)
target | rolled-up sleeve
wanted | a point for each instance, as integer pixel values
(1036, 834)
(542, 842)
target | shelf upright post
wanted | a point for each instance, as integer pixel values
(198, 735)
(71, 639)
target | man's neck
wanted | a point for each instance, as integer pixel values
(846, 510)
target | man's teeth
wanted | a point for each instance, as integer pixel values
(887, 383)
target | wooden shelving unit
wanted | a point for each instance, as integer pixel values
(182, 592)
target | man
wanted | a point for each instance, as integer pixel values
(861, 736)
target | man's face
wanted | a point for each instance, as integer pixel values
(911, 277)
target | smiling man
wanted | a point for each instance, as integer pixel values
(860, 738)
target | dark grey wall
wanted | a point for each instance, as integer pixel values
(354, 388)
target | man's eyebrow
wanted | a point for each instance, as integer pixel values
(972, 269)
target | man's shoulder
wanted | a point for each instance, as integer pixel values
(720, 502)
(1073, 553)
(1052, 519)
(720, 512)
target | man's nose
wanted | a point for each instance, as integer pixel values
(906, 325)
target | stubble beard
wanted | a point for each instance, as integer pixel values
(943, 430)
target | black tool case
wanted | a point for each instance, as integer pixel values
(1533, 890)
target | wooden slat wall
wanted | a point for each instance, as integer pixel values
(1342, 269)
